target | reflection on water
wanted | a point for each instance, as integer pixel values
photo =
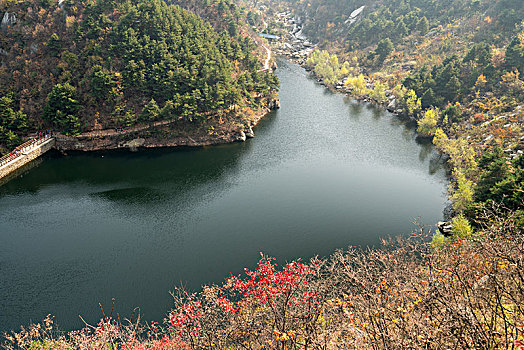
(133, 194)
(322, 173)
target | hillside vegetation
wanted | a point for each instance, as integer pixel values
(76, 65)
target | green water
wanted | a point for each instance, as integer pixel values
(322, 173)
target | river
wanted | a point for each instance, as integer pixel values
(322, 173)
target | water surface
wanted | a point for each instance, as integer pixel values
(322, 173)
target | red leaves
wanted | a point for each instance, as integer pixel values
(186, 317)
(226, 305)
(265, 284)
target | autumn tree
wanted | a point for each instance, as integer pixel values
(428, 124)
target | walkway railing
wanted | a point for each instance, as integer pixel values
(24, 148)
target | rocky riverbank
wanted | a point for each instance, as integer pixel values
(493, 128)
(175, 133)
(296, 47)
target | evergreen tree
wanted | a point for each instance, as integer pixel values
(515, 54)
(150, 112)
(62, 107)
(384, 49)
(101, 82)
(54, 45)
(499, 182)
(423, 25)
(428, 99)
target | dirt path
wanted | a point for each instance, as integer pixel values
(123, 131)
(268, 58)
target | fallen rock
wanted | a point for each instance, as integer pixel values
(8, 20)
(392, 105)
(445, 227)
(483, 282)
(249, 133)
(241, 137)
(134, 144)
(275, 104)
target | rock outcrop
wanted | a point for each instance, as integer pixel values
(8, 20)
(249, 132)
(445, 228)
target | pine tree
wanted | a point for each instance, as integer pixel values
(62, 108)
(150, 112)
(423, 25)
(54, 45)
(384, 49)
(428, 99)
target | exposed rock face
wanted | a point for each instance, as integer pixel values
(8, 20)
(445, 228)
(34, 48)
(275, 104)
(242, 137)
(249, 133)
(354, 15)
(392, 105)
(142, 138)
(134, 144)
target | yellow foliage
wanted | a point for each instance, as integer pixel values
(379, 92)
(463, 193)
(70, 20)
(441, 139)
(481, 81)
(357, 84)
(461, 227)
(413, 104)
(428, 124)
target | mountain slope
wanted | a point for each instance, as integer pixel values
(77, 65)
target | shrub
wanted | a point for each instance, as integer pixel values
(427, 126)
(461, 227)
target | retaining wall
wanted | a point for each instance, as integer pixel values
(26, 157)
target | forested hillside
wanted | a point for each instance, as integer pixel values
(332, 20)
(75, 65)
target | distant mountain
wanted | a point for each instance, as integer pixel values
(332, 20)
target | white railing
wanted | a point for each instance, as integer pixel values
(24, 148)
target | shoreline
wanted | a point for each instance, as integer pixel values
(157, 136)
(297, 48)
(139, 138)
